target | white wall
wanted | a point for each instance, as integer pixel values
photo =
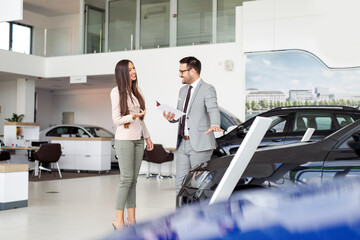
(25, 103)
(8, 101)
(44, 107)
(324, 27)
(20, 63)
(89, 106)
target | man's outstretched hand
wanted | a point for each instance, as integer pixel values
(214, 129)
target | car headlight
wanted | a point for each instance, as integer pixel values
(198, 179)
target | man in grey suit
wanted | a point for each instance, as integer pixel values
(196, 140)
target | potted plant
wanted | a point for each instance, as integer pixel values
(16, 118)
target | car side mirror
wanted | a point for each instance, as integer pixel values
(271, 130)
(240, 131)
(355, 144)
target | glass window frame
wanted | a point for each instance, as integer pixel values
(89, 8)
(208, 27)
(11, 35)
(143, 44)
(134, 40)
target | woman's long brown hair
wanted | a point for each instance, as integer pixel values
(125, 87)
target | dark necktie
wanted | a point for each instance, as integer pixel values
(182, 124)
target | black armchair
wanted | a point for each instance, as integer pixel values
(5, 156)
(48, 153)
(158, 155)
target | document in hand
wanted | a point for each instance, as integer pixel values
(167, 108)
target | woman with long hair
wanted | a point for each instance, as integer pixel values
(128, 112)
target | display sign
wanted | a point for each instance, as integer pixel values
(78, 79)
(241, 159)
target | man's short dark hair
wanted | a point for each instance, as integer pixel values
(192, 62)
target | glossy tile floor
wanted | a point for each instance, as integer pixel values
(82, 208)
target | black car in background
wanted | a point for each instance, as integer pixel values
(289, 125)
(281, 166)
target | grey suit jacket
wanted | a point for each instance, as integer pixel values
(203, 112)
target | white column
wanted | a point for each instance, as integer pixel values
(137, 28)
(239, 25)
(25, 99)
(81, 26)
(106, 34)
(214, 21)
(173, 23)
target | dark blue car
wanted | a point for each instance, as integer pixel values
(289, 125)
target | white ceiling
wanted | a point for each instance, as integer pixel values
(63, 83)
(93, 82)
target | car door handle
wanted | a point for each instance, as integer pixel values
(278, 140)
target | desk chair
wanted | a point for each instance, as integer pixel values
(48, 153)
(34, 144)
(5, 156)
(158, 155)
(31, 152)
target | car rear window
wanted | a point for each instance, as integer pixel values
(319, 121)
(58, 132)
(344, 120)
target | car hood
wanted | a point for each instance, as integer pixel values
(265, 158)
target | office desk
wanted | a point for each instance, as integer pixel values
(28, 149)
(20, 148)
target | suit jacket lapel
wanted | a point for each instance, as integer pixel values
(181, 99)
(194, 94)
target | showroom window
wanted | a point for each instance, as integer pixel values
(154, 23)
(226, 20)
(194, 22)
(94, 29)
(15, 37)
(146, 24)
(298, 78)
(122, 25)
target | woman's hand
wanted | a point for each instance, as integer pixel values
(139, 115)
(149, 144)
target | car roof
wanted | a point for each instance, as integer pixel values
(317, 107)
(305, 151)
(75, 125)
(72, 125)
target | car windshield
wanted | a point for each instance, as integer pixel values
(99, 132)
(277, 125)
(228, 120)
